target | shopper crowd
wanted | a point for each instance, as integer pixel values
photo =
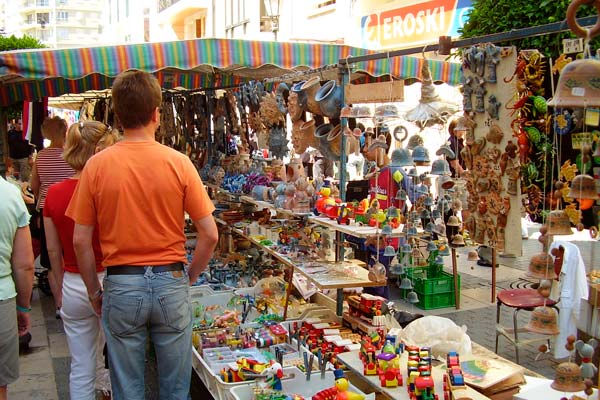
(111, 213)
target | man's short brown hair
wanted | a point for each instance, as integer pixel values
(135, 94)
(54, 128)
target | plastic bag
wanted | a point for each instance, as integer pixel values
(439, 333)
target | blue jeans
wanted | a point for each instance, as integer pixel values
(158, 304)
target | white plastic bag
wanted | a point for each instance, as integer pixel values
(439, 333)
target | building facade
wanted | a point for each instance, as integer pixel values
(56, 23)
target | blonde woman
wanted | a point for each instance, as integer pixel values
(50, 168)
(82, 325)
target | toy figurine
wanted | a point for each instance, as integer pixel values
(273, 374)
(341, 384)
(586, 351)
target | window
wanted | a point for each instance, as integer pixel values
(43, 18)
(41, 3)
(62, 16)
(30, 18)
(62, 2)
(200, 27)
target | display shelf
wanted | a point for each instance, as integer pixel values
(324, 275)
(360, 231)
(281, 211)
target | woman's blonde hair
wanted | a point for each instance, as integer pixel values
(84, 139)
(54, 128)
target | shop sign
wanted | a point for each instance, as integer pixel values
(413, 24)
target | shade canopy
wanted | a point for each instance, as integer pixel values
(189, 64)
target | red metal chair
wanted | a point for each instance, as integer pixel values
(519, 299)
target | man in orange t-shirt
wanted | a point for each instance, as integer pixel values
(137, 192)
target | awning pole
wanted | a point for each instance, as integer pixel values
(515, 34)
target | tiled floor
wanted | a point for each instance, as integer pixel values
(45, 368)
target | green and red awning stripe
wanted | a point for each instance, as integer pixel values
(192, 64)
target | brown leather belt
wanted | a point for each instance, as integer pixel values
(141, 269)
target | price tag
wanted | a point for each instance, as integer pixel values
(572, 45)
(592, 116)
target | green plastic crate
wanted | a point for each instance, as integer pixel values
(438, 300)
(423, 283)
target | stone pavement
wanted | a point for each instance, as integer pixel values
(45, 368)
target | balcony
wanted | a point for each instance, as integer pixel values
(164, 4)
(178, 13)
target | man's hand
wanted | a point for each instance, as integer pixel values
(23, 322)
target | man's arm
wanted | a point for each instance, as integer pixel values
(208, 236)
(22, 268)
(86, 260)
(55, 254)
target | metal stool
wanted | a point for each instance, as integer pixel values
(519, 299)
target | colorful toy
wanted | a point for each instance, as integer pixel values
(273, 374)
(388, 363)
(368, 356)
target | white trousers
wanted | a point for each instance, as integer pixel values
(85, 339)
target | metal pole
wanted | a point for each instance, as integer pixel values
(455, 276)
(493, 274)
(515, 34)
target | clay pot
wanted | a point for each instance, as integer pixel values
(310, 89)
(334, 137)
(302, 99)
(329, 97)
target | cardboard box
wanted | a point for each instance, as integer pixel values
(594, 294)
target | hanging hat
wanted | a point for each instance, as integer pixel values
(458, 240)
(431, 246)
(414, 141)
(405, 284)
(543, 320)
(472, 255)
(412, 297)
(558, 223)
(428, 202)
(412, 231)
(413, 173)
(401, 195)
(446, 182)
(338, 373)
(453, 221)
(400, 158)
(568, 378)
(422, 190)
(446, 151)
(386, 230)
(440, 167)
(583, 187)
(420, 154)
(541, 266)
(405, 249)
(444, 250)
(578, 85)
(389, 251)
(429, 227)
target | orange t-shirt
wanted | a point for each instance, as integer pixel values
(137, 192)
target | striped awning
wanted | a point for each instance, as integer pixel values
(190, 64)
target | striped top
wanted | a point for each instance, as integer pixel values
(51, 168)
